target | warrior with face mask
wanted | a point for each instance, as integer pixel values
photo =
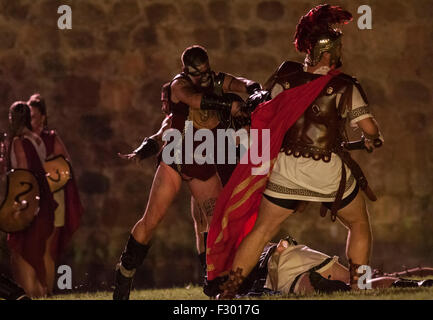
(201, 96)
(311, 164)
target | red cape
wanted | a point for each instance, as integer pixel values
(73, 207)
(30, 242)
(237, 205)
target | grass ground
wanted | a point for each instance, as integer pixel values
(195, 293)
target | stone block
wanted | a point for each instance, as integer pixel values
(270, 10)
(80, 39)
(96, 127)
(208, 37)
(220, 10)
(79, 92)
(116, 95)
(256, 37)
(193, 12)
(144, 37)
(93, 182)
(158, 13)
(17, 9)
(124, 11)
(7, 38)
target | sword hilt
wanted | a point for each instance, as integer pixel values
(360, 145)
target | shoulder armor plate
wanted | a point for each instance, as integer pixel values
(354, 81)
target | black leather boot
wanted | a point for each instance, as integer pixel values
(9, 290)
(426, 283)
(131, 258)
(202, 259)
(407, 283)
(324, 285)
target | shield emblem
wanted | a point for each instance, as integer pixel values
(58, 172)
(20, 200)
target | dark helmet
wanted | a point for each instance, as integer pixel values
(194, 56)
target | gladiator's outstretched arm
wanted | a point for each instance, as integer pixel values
(150, 145)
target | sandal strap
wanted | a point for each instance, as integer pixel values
(231, 286)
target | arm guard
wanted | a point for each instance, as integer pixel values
(148, 148)
(377, 139)
(238, 122)
(255, 99)
(253, 88)
(210, 101)
(218, 83)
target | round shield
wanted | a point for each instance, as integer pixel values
(20, 200)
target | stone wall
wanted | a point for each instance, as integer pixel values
(102, 80)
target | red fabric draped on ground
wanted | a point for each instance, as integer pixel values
(237, 206)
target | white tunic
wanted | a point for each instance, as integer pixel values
(308, 179)
(38, 144)
(59, 197)
(284, 267)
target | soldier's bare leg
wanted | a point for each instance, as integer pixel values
(25, 276)
(165, 186)
(205, 194)
(268, 223)
(336, 272)
(200, 225)
(49, 261)
(359, 238)
(333, 279)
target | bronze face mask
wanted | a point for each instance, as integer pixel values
(205, 76)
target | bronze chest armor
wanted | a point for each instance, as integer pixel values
(321, 129)
(202, 119)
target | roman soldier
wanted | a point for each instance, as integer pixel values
(312, 102)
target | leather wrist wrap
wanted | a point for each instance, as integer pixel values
(211, 101)
(148, 148)
(253, 87)
(371, 136)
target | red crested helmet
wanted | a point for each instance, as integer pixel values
(316, 33)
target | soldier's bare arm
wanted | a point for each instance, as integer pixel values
(59, 148)
(19, 153)
(371, 133)
(182, 90)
